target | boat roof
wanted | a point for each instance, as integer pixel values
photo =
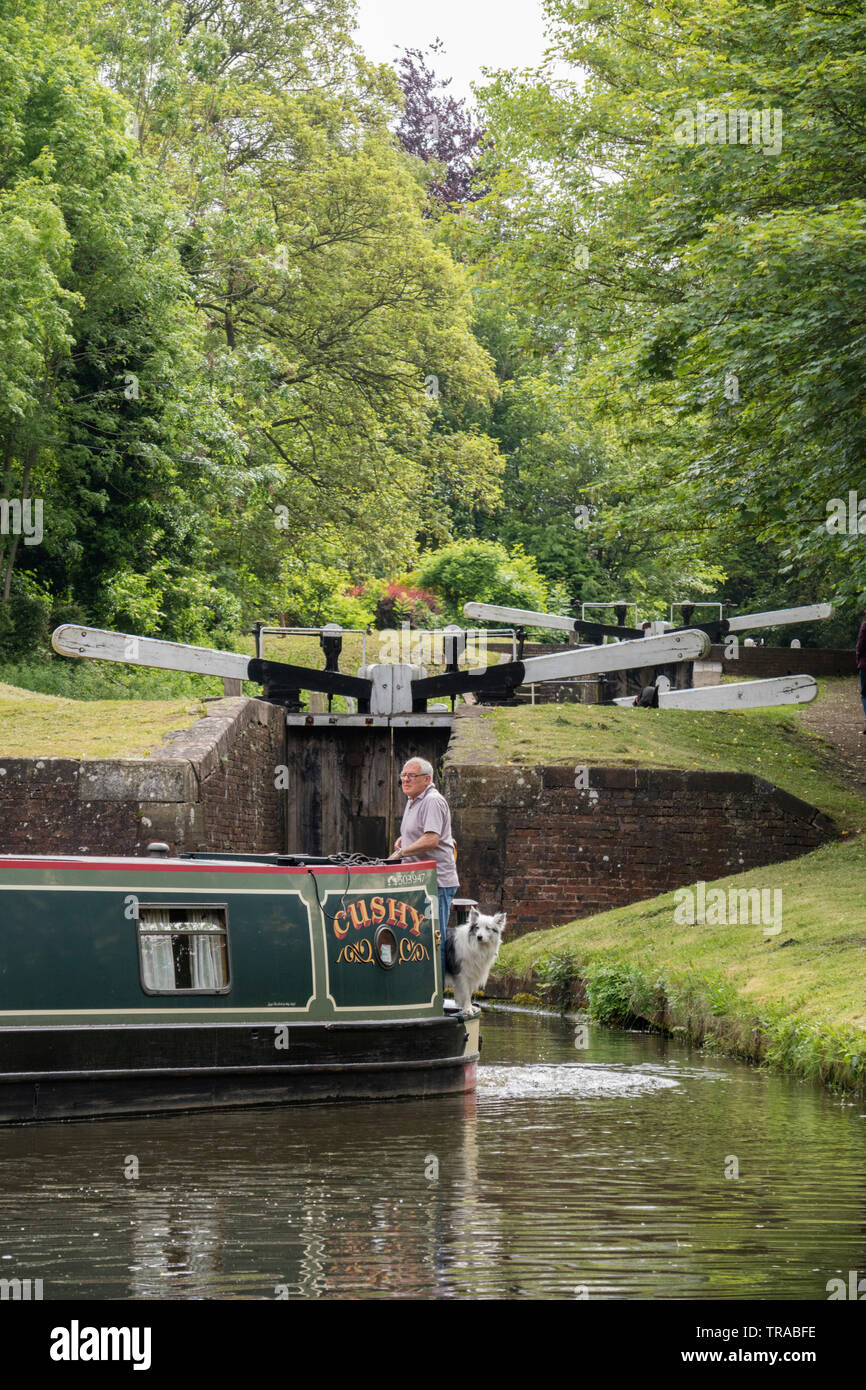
(211, 862)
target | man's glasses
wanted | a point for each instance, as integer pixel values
(411, 776)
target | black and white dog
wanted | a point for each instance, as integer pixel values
(470, 951)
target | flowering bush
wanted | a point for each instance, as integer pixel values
(402, 604)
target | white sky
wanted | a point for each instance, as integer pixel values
(476, 34)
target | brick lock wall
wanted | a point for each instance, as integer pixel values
(546, 852)
(207, 787)
(529, 840)
(234, 754)
(758, 663)
(41, 812)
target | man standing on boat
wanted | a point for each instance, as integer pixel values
(425, 833)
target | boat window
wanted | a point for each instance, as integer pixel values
(183, 950)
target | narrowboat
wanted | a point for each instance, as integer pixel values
(133, 985)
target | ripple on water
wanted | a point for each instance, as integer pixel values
(568, 1079)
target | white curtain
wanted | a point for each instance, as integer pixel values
(207, 951)
(204, 934)
(157, 958)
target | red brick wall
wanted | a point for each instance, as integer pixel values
(234, 754)
(41, 813)
(534, 845)
(754, 663)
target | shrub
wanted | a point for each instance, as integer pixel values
(618, 993)
(25, 621)
(318, 594)
(562, 975)
(484, 572)
(400, 603)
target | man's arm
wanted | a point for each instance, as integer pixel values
(426, 841)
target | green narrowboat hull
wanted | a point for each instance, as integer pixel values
(139, 985)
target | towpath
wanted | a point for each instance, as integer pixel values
(837, 716)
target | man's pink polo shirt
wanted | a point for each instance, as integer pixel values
(427, 812)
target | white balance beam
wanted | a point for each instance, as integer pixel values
(781, 690)
(72, 640)
(617, 656)
(780, 617)
(522, 617)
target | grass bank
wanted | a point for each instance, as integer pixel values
(795, 1001)
(33, 725)
(774, 743)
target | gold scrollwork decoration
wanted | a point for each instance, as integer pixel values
(361, 952)
(412, 950)
(357, 953)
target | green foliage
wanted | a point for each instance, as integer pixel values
(483, 571)
(25, 618)
(328, 303)
(250, 376)
(104, 680)
(316, 595)
(617, 992)
(704, 295)
(221, 303)
(828, 1053)
(562, 975)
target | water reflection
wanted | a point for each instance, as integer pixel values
(601, 1171)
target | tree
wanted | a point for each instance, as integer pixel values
(709, 266)
(485, 572)
(102, 402)
(437, 129)
(328, 306)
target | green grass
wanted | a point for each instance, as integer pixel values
(796, 1000)
(34, 725)
(771, 743)
(73, 679)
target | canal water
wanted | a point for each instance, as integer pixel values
(630, 1168)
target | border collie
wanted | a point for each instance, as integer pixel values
(470, 951)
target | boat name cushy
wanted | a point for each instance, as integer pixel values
(370, 912)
